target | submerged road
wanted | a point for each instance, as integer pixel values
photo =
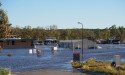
(22, 61)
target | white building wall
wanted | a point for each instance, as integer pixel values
(70, 43)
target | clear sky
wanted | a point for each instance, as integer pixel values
(65, 13)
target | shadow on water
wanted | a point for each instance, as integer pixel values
(22, 61)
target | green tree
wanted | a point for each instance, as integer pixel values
(16, 31)
(113, 31)
(53, 31)
(3, 17)
(122, 32)
(26, 33)
(106, 34)
(38, 33)
(4, 24)
(97, 33)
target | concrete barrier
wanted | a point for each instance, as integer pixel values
(117, 60)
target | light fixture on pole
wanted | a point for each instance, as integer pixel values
(82, 38)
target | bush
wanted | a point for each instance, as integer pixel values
(122, 67)
(3, 72)
(76, 64)
(96, 66)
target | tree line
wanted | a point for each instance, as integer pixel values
(41, 33)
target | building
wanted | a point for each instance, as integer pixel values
(110, 41)
(77, 44)
(16, 43)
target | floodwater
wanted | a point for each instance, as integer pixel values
(22, 61)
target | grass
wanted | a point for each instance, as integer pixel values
(99, 66)
(122, 63)
(4, 72)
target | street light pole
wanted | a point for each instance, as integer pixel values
(82, 38)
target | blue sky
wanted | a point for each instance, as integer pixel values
(65, 13)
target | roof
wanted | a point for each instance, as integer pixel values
(17, 39)
(70, 40)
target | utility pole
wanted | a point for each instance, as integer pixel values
(82, 39)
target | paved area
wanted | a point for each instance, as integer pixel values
(47, 72)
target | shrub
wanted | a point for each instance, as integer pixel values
(75, 64)
(3, 72)
(122, 67)
(97, 66)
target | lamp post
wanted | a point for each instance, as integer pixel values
(82, 38)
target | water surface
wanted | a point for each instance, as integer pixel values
(22, 61)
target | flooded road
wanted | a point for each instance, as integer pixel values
(22, 61)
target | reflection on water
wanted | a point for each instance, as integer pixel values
(22, 61)
(0, 51)
(54, 52)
